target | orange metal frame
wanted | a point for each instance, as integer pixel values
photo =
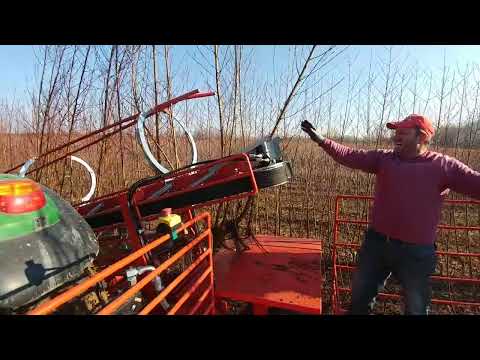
(119, 200)
(287, 277)
(240, 173)
(207, 297)
(336, 306)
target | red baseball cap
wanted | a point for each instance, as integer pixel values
(413, 121)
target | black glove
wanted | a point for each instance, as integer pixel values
(306, 126)
(311, 131)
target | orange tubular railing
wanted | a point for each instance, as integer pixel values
(110, 308)
(340, 268)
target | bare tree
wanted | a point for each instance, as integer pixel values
(219, 98)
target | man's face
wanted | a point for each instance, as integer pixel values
(405, 141)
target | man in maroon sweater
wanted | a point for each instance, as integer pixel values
(411, 183)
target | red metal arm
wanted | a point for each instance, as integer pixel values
(195, 94)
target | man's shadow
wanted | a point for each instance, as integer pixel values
(36, 274)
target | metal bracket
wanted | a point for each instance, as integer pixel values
(268, 149)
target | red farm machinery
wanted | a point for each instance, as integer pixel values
(155, 253)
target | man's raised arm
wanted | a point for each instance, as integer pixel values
(356, 159)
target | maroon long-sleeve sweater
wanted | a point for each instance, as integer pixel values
(408, 193)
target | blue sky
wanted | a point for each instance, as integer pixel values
(17, 63)
(16, 70)
(427, 57)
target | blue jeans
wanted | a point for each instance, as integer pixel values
(411, 264)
